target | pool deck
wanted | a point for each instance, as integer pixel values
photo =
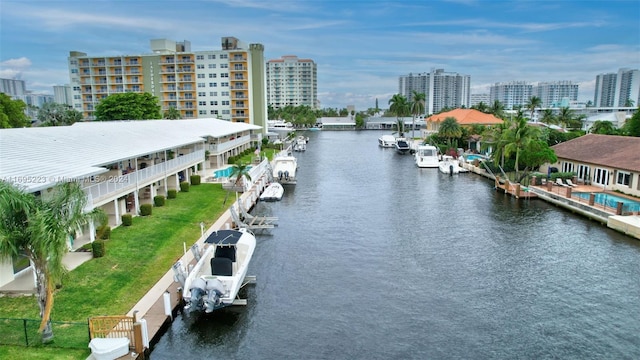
(561, 196)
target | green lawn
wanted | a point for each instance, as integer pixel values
(136, 258)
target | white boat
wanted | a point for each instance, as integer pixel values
(284, 169)
(449, 165)
(279, 125)
(402, 146)
(301, 143)
(387, 141)
(273, 192)
(427, 156)
(220, 272)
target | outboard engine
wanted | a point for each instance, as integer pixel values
(286, 175)
(280, 174)
(450, 170)
(197, 293)
(215, 289)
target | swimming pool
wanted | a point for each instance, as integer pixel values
(471, 157)
(611, 200)
(226, 172)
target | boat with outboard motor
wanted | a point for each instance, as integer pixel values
(220, 271)
(284, 169)
(387, 141)
(449, 165)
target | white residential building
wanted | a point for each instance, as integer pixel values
(556, 94)
(442, 89)
(292, 81)
(510, 94)
(615, 89)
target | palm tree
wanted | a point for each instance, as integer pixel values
(533, 103)
(400, 107)
(39, 228)
(497, 109)
(417, 108)
(239, 172)
(449, 129)
(603, 127)
(548, 117)
(172, 114)
(518, 137)
(568, 120)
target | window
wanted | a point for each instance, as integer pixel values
(567, 166)
(224, 56)
(189, 113)
(226, 112)
(201, 85)
(213, 102)
(74, 71)
(200, 76)
(601, 177)
(202, 93)
(213, 93)
(224, 66)
(224, 84)
(213, 84)
(76, 97)
(214, 112)
(212, 66)
(212, 76)
(202, 112)
(199, 57)
(200, 66)
(224, 75)
(202, 103)
(76, 88)
(624, 178)
(212, 57)
(224, 93)
(225, 102)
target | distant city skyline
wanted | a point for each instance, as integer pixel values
(360, 47)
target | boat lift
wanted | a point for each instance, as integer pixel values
(251, 222)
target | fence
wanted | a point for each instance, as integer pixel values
(24, 332)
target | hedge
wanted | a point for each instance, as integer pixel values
(195, 179)
(104, 232)
(98, 248)
(172, 194)
(158, 200)
(184, 186)
(127, 219)
(145, 209)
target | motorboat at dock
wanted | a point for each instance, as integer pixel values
(273, 192)
(284, 169)
(426, 156)
(220, 271)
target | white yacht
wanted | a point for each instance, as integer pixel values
(284, 169)
(426, 156)
(387, 141)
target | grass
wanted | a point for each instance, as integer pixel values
(136, 258)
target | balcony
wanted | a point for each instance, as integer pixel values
(108, 190)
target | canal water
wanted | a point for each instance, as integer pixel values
(375, 258)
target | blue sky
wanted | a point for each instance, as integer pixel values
(361, 47)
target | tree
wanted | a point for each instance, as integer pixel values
(494, 137)
(39, 228)
(518, 137)
(54, 114)
(536, 154)
(603, 128)
(128, 106)
(548, 117)
(450, 129)
(172, 114)
(481, 106)
(629, 103)
(12, 113)
(497, 109)
(239, 172)
(417, 108)
(632, 126)
(568, 120)
(399, 106)
(533, 103)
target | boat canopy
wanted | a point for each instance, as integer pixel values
(224, 237)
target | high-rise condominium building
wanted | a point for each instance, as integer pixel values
(292, 81)
(476, 99)
(228, 84)
(62, 95)
(442, 89)
(618, 90)
(556, 94)
(510, 94)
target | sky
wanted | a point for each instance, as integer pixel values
(361, 47)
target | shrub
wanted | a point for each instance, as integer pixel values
(98, 248)
(184, 186)
(145, 209)
(127, 219)
(103, 232)
(195, 179)
(172, 194)
(158, 200)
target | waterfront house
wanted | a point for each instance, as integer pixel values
(610, 161)
(465, 118)
(120, 164)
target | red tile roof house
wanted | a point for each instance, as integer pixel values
(610, 161)
(464, 117)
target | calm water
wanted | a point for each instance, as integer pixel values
(375, 258)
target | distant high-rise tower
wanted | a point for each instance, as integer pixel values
(12, 87)
(226, 84)
(557, 93)
(442, 89)
(617, 90)
(62, 95)
(292, 81)
(510, 94)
